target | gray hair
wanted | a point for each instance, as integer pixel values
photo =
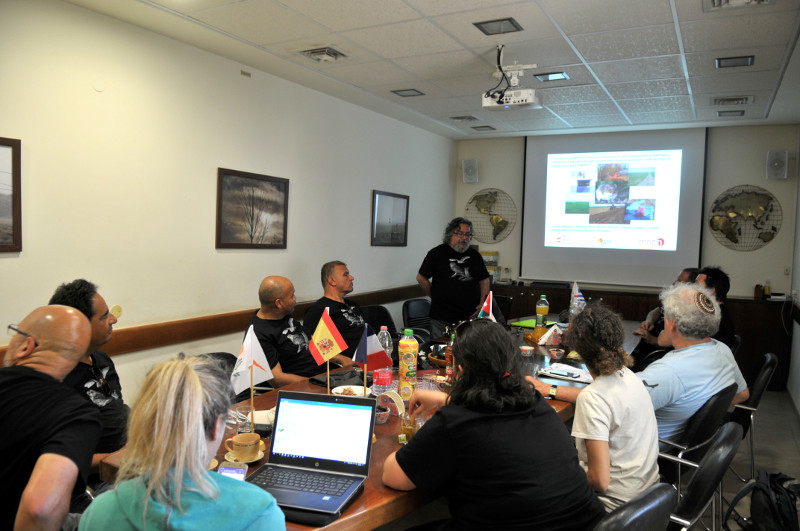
(453, 226)
(693, 309)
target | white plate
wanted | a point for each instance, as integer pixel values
(356, 390)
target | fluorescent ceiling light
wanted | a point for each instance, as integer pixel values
(496, 27)
(483, 128)
(724, 114)
(728, 62)
(551, 76)
(407, 93)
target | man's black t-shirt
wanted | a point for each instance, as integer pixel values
(285, 342)
(347, 317)
(455, 282)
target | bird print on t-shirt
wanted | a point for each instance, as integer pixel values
(460, 271)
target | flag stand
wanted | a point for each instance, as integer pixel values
(328, 369)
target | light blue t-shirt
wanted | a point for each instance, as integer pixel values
(683, 380)
(240, 505)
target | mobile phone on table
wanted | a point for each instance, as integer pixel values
(233, 470)
(565, 374)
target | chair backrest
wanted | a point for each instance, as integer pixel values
(416, 314)
(650, 510)
(709, 472)
(225, 359)
(704, 423)
(504, 303)
(378, 316)
(737, 342)
(768, 366)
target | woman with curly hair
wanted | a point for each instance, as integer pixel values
(614, 426)
(495, 449)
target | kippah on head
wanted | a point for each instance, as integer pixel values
(703, 303)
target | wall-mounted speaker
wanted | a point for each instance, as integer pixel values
(469, 170)
(778, 164)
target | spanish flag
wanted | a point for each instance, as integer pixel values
(326, 341)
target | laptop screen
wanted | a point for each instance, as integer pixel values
(325, 432)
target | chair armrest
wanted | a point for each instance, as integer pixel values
(676, 459)
(748, 408)
(671, 443)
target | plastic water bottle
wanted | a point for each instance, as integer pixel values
(575, 308)
(382, 378)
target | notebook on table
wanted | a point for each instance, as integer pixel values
(319, 454)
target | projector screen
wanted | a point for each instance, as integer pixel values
(618, 208)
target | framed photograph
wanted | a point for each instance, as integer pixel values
(10, 196)
(389, 219)
(252, 210)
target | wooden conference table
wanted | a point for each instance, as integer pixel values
(377, 504)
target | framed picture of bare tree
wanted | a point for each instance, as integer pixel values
(389, 219)
(252, 210)
(10, 196)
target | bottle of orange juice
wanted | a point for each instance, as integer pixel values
(407, 350)
(542, 309)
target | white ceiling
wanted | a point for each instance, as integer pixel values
(633, 64)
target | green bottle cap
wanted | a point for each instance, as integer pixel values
(408, 332)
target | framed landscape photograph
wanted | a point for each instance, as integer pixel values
(252, 210)
(10, 196)
(389, 219)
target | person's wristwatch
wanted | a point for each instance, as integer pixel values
(553, 391)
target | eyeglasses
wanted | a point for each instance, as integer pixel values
(102, 383)
(462, 234)
(13, 330)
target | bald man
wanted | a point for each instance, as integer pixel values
(49, 431)
(283, 340)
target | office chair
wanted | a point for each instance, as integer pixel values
(504, 303)
(745, 413)
(650, 510)
(737, 342)
(708, 475)
(378, 316)
(699, 431)
(416, 315)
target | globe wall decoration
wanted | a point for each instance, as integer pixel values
(745, 218)
(493, 215)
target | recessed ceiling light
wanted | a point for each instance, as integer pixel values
(464, 118)
(552, 76)
(728, 62)
(496, 27)
(732, 100)
(407, 93)
(483, 128)
(724, 114)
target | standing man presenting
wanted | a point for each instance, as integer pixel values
(454, 276)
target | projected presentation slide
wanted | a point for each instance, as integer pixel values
(613, 200)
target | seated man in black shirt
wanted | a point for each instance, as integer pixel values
(718, 281)
(49, 431)
(345, 314)
(95, 376)
(282, 339)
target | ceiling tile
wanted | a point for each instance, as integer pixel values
(648, 89)
(744, 81)
(670, 103)
(580, 16)
(627, 44)
(664, 67)
(533, 21)
(765, 58)
(658, 117)
(568, 111)
(432, 8)
(261, 22)
(404, 39)
(355, 53)
(751, 31)
(597, 121)
(751, 112)
(543, 52)
(443, 65)
(345, 15)
(466, 86)
(567, 95)
(376, 74)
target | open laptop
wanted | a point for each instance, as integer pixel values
(322, 438)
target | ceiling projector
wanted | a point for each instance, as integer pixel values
(513, 99)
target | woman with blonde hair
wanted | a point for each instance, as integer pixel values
(615, 426)
(174, 430)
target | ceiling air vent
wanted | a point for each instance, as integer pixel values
(324, 54)
(464, 118)
(733, 100)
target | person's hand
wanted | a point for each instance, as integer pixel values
(646, 325)
(540, 386)
(424, 400)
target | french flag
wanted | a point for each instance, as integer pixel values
(369, 353)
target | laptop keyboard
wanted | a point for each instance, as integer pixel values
(303, 481)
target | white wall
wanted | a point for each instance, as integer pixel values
(122, 133)
(736, 155)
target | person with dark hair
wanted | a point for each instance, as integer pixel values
(345, 313)
(283, 340)
(716, 280)
(504, 459)
(454, 276)
(95, 376)
(615, 426)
